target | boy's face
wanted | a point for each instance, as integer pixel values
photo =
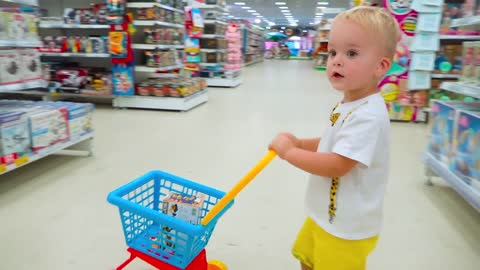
(356, 60)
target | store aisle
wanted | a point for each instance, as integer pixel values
(55, 216)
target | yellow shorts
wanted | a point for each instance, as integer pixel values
(320, 250)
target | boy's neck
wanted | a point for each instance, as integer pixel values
(351, 96)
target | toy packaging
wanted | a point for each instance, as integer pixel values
(186, 208)
(118, 44)
(466, 161)
(10, 67)
(14, 134)
(468, 61)
(30, 66)
(123, 80)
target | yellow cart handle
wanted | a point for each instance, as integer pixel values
(239, 187)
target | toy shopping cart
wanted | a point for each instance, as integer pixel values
(166, 242)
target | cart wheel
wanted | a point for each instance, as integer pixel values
(217, 265)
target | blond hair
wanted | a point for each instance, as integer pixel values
(379, 22)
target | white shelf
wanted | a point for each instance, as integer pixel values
(223, 82)
(217, 7)
(161, 103)
(214, 50)
(212, 36)
(31, 157)
(461, 88)
(72, 26)
(156, 46)
(155, 69)
(467, 21)
(20, 43)
(470, 195)
(23, 86)
(33, 3)
(253, 62)
(151, 4)
(153, 23)
(211, 64)
(91, 55)
(458, 37)
(214, 21)
(324, 29)
(445, 76)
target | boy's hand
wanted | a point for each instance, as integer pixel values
(283, 143)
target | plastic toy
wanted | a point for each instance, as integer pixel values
(72, 77)
(182, 245)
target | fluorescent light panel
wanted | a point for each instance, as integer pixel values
(283, 7)
(322, 3)
(239, 3)
(280, 3)
(246, 7)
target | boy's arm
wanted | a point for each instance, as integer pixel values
(332, 165)
(310, 144)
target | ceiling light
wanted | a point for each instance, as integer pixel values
(304, 31)
(322, 3)
(281, 31)
(231, 16)
(311, 23)
(259, 16)
(283, 7)
(239, 3)
(284, 11)
(252, 11)
(280, 3)
(246, 7)
(319, 14)
(268, 27)
(293, 24)
(258, 21)
(283, 27)
(271, 23)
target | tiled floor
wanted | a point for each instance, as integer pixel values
(54, 214)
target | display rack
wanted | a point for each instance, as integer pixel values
(437, 168)
(253, 46)
(320, 46)
(161, 103)
(81, 146)
(462, 88)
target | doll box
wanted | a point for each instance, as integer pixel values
(186, 208)
(14, 133)
(31, 67)
(466, 144)
(10, 67)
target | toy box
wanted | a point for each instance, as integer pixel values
(14, 133)
(186, 208)
(10, 67)
(466, 144)
(443, 130)
(467, 64)
(30, 65)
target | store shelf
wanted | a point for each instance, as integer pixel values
(253, 62)
(91, 55)
(214, 50)
(214, 21)
(467, 192)
(445, 76)
(467, 21)
(72, 26)
(29, 158)
(217, 7)
(33, 3)
(212, 36)
(23, 86)
(461, 88)
(20, 43)
(161, 103)
(152, 4)
(224, 82)
(156, 46)
(155, 69)
(458, 37)
(153, 23)
(211, 64)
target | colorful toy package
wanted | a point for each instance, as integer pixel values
(123, 80)
(466, 161)
(186, 208)
(14, 133)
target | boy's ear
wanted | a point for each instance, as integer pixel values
(383, 67)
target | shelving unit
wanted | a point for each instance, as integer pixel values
(81, 144)
(155, 46)
(161, 103)
(23, 86)
(437, 168)
(151, 5)
(91, 55)
(157, 69)
(61, 25)
(467, 21)
(462, 88)
(253, 46)
(156, 23)
(320, 46)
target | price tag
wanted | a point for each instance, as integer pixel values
(419, 80)
(426, 42)
(21, 161)
(433, 2)
(422, 61)
(3, 168)
(429, 22)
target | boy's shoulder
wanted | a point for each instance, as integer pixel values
(373, 110)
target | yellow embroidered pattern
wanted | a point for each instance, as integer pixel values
(332, 207)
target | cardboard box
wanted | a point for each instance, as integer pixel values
(14, 133)
(469, 51)
(30, 65)
(186, 208)
(10, 67)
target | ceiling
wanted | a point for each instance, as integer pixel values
(304, 11)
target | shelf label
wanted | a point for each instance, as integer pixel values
(419, 80)
(3, 168)
(21, 161)
(426, 42)
(422, 61)
(429, 22)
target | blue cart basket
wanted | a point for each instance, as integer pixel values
(150, 231)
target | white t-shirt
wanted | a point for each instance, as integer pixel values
(351, 207)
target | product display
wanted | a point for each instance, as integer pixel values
(161, 58)
(95, 14)
(234, 51)
(448, 60)
(19, 66)
(163, 36)
(158, 13)
(163, 87)
(455, 10)
(253, 45)
(18, 26)
(75, 44)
